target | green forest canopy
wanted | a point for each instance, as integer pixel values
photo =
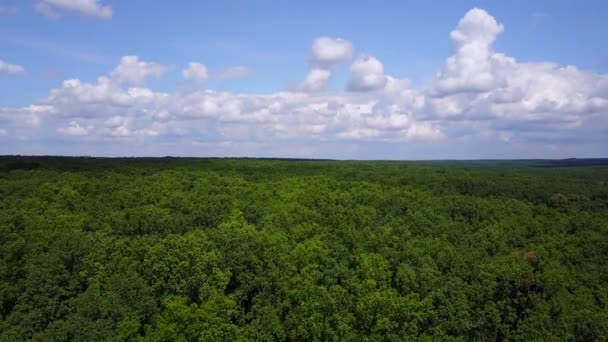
(185, 249)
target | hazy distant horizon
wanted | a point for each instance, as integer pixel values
(594, 161)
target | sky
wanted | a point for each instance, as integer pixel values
(309, 79)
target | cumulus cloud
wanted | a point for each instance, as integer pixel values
(423, 131)
(315, 81)
(91, 8)
(366, 74)
(108, 108)
(74, 129)
(473, 66)
(234, 72)
(26, 117)
(77, 98)
(479, 97)
(195, 73)
(479, 85)
(7, 68)
(328, 52)
(132, 71)
(115, 121)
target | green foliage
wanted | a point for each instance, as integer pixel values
(241, 250)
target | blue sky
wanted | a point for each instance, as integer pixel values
(345, 79)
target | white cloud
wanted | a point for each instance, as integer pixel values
(507, 97)
(26, 117)
(138, 112)
(480, 97)
(74, 129)
(120, 131)
(91, 8)
(316, 80)
(7, 68)
(116, 126)
(234, 72)
(366, 74)
(328, 52)
(195, 72)
(132, 71)
(478, 27)
(474, 66)
(423, 131)
(81, 99)
(114, 121)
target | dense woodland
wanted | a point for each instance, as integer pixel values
(180, 249)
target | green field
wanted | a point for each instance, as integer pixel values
(186, 249)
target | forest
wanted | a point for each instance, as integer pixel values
(237, 249)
